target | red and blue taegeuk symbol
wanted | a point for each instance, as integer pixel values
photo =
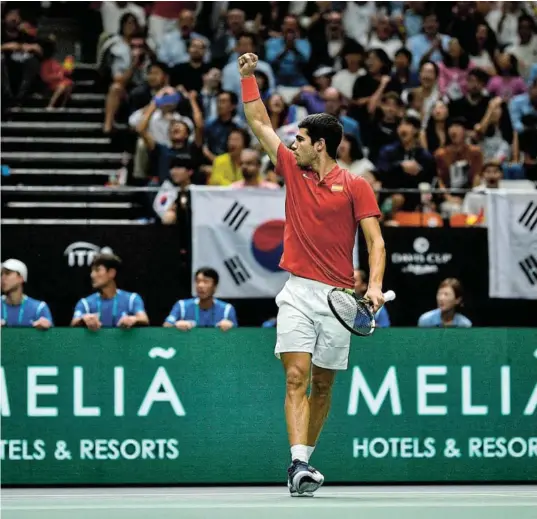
(267, 244)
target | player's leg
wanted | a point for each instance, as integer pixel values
(322, 380)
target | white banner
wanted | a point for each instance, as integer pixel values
(239, 233)
(512, 241)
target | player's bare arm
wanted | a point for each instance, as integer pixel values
(254, 109)
(377, 260)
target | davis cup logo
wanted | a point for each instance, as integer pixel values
(265, 243)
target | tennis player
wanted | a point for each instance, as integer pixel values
(324, 204)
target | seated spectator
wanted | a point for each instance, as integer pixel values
(458, 165)
(475, 202)
(251, 172)
(353, 55)
(383, 37)
(436, 135)
(453, 71)
(482, 53)
(227, 167)
(427, 92)
(358, 18)
(378, 65)
(279, 113)
(449, 299)
(361, 280)
(19, 310)
(263, 84)
(225, 40)
(157, 78)
(113, 12)
(402, 72)
(20, 58)
(109, 307)
(163, 19)
(382, 129)
(288, 55)
(129, 61)
(190, 73)
(171, 202)
(173, 47)
(405, 164)
(231, 79)
(312, 97)
(333, 106)
(54, 75)
(427, 45)
(204, 311)
(473, 105)
(525, 46)
(209, 93)
(508, 82)
(523, 104)
(350, 156)
(180, 145)
(503, 21)
(495, 143)
(155, 119)
(217, 130)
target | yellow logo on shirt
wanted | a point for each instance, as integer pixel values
(337, 188)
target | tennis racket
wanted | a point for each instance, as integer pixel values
(353, 312)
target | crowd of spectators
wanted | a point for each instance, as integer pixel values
(429, 94)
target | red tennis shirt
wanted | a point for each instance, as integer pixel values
(321, 219)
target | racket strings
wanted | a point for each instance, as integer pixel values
(352, 311)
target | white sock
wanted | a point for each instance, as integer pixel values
(310, 451)
(299, 452)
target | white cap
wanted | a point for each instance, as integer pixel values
(16, 265)
(324, 71)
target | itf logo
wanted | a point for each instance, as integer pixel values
(81, 253)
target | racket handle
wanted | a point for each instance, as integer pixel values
(389, 295)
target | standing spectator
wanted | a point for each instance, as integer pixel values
(217, 130)
(382, 129)
(289, 55)
(435, 134)
(163, 18)
(109, 307)
(19, 310)
(54, 75)
(231, 79)
(405, 164)
(250, 163)
(157, 78)
(463, 24)
(190, 74)
(129, 63)
(225, 41)
(458, 165)
(427, 46)
(413, 18)
(524, 104)
(449, 299)
(508, 82)
(428, 91)
(402, 72)
(482, 52)
(358, 18)
(525, 46)
(204, 311)
(327, 39)
(113, 12)
(382, 38)
(173, 47)
(475, 202)
(209, 93)
(503, 20)
(227, 167)
(20, 58)
(454, 69)
(350, 156)
(353, 55)
(361, 280)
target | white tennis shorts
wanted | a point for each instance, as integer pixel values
(305, 323)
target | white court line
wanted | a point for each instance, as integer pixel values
(401, 493)
(309, 504)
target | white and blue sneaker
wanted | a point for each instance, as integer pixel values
(303, 479)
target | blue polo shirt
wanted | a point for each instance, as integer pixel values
(24, 315)
(110, 310)
(189, 310)
(433, 319)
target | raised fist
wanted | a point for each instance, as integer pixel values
(247, 64)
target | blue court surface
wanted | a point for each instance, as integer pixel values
(413, 502)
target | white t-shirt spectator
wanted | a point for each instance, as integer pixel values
(509, 33)
(111, 14)
(344, 81)
(482, 61)
(159, 124)
(525, 54)
(390, 46)
(358, 167)
(357, 19)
